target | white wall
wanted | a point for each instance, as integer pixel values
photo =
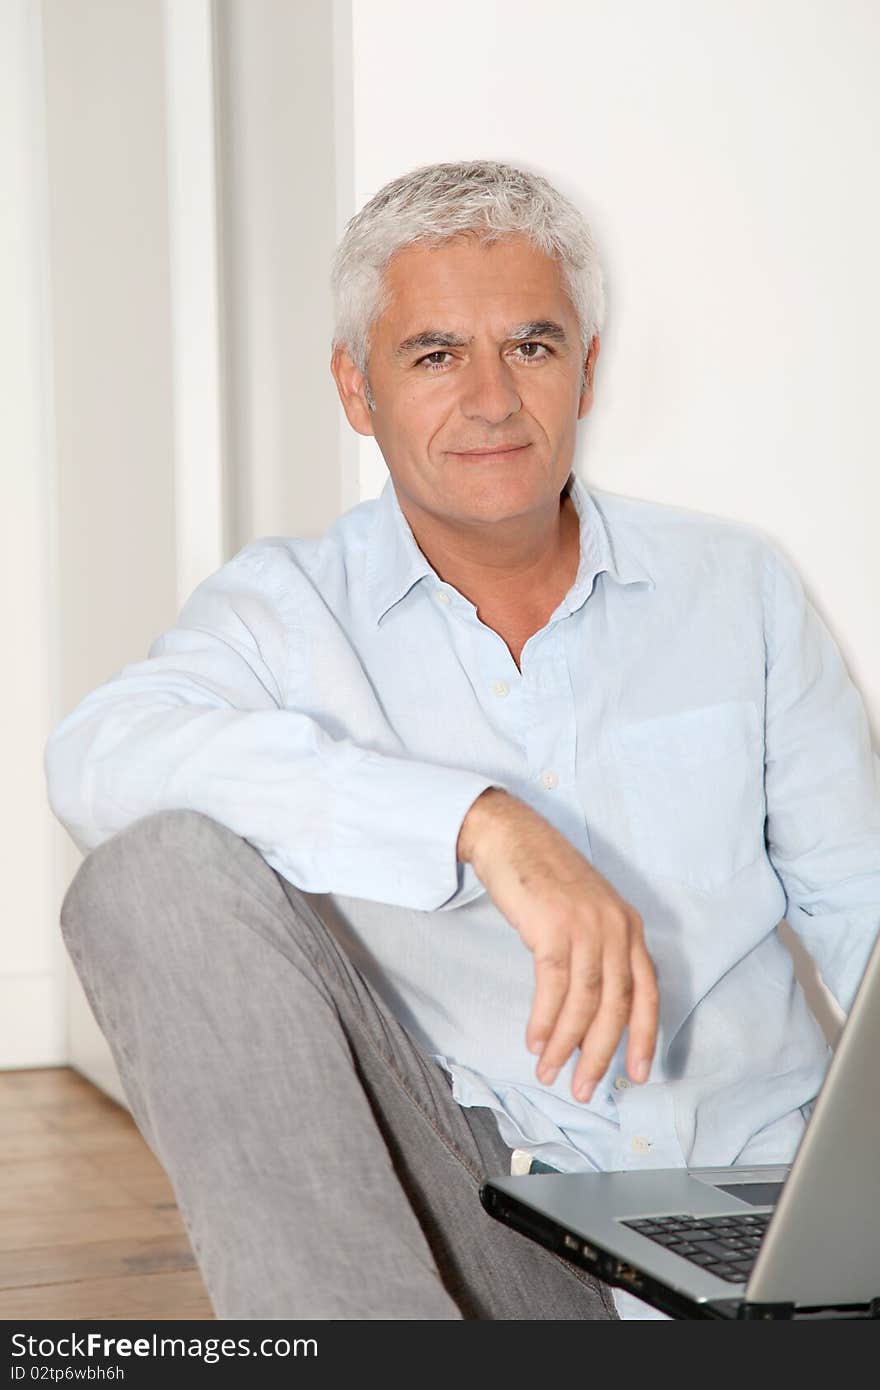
(279, 159)
(31, 965)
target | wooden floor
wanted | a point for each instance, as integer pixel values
(89, 1227)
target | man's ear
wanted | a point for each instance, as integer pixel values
(586, 397)
(350, 384)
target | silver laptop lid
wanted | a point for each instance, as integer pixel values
(823, 1243)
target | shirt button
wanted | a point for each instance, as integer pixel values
(621, 1083)
(500, 687)
(640, 1144)
(442, 596)
(549, 780)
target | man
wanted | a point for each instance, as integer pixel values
(467, 827)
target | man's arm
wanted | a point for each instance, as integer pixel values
(822, 780)
(201, 725)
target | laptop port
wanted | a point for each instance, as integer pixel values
(573, 1243)
(630, 1277)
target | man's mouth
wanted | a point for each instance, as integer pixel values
(491, 453)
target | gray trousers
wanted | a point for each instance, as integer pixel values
(321, 1165)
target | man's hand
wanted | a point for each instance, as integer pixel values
(592, 969)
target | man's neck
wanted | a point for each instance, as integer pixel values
(540, 571)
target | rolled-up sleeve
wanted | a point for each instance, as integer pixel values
(822, 781)
(202, 724)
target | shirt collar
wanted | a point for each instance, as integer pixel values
(395, 563)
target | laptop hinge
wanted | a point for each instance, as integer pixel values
(735, 1308)
(766, 1311)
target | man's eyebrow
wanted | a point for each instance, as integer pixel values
(441, 338)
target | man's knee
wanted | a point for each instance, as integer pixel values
(157, 854)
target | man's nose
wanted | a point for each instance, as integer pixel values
(489, 389)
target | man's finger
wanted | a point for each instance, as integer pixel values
(644, 1018)
(578, 1009)
(552, 964)
(602, 1037)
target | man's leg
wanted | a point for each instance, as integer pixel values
(320, 1163)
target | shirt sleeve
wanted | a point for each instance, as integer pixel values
(202, 724)
(822, 781)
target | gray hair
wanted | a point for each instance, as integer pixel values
(437, 202)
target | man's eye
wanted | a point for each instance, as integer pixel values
(534, 358)
(438, 353)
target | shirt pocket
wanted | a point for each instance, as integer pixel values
(692, 785)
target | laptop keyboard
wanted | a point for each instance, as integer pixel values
(723, 1245)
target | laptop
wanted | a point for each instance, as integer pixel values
(800, 1240)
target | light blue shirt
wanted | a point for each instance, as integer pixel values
(684, 717)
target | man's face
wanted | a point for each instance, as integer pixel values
(503, 366)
